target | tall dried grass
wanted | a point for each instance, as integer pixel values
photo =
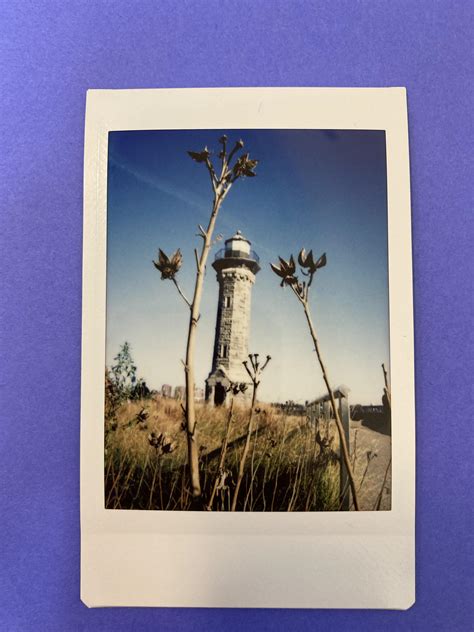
(292, 465)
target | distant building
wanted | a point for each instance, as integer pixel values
(198, 394)
(179, 392)
(166, 390)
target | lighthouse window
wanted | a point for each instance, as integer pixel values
(227, 301)
(223, 350)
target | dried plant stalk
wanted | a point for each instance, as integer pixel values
(221, 183)
(378, 502)
(286, 270)
(193, 452)
(245, 452)
(340, 427)
(254, 374)
(222, 455)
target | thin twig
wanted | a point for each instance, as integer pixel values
(181, 293)
(379, 498)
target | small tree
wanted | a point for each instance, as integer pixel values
(229, 169)
(112, 401)
(286, 270)
(123, 376)
(124, 371)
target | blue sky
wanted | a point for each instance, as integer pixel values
(320, 189)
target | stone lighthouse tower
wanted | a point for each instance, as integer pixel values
(236, 266)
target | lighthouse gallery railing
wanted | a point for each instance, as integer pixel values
(224, 253)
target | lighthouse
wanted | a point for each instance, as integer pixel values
(236, 266)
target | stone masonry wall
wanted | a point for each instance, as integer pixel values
(233, 321)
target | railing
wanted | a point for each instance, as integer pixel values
(225, 253)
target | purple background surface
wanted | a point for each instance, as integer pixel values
(51, 52)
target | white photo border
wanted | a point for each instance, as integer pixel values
(219, 559)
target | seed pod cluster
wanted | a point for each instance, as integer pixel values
(161, 443)
(168, 266)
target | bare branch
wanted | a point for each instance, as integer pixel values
(301, 299)
(202, 233)
(212, 174)
(226, 191)
(247, 369)
(238, 145)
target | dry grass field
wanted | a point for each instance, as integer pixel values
(292, 464)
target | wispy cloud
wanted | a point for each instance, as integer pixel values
(160, 185)
(227, 226)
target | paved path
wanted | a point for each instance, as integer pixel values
(367, 440)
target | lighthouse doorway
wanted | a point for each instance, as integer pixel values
(219, 394)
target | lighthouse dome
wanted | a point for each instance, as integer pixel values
(238, 243)
(236, 253)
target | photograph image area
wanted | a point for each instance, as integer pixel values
(247, 322)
